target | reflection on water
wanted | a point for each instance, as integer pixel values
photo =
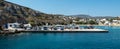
(63, 40)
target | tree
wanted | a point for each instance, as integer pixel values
(92, 22)
(80, 22)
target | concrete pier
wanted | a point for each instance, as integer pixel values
(69, 31)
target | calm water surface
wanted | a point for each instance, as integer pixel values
(109, 40)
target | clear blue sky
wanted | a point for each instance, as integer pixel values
(73, 7)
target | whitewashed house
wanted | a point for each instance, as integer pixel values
(116, 22)
(28, 26)
(104, 22)
(13, 26)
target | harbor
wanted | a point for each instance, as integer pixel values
(59, 24)
(59, 40)
(12, 28)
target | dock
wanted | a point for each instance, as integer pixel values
(8, 32)
(68, 31)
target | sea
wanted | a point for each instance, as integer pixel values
(107, 40)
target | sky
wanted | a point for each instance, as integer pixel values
(73, 7)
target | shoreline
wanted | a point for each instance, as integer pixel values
(100, 25)
(7, 32)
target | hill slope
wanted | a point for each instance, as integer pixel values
(10, 12)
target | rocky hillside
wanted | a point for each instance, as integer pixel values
(10, 12)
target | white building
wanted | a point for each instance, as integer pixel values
(104, 22)
(28, 26)
(116, 22)
(13, 26)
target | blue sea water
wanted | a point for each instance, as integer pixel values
(109, 40)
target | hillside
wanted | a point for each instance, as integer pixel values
(81, 16)
(92, 17)
(10, 12)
